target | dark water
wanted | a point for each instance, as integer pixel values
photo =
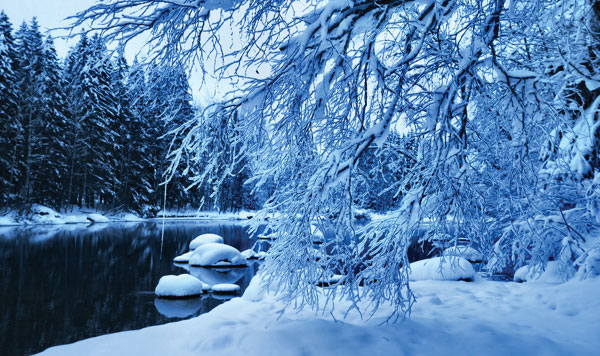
(72, 282)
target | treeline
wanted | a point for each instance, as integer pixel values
(89, 130)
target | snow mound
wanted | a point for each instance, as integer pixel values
(130, 218)
(205, 239)
(185, 258)
(253, 255)
(217, 255)
(43, 215)
(97, 218)
(468, 253)
(180, 286)
(225, 288)
(551, 274)
(450, 268)
(7, 220)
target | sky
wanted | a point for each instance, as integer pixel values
(51, 14)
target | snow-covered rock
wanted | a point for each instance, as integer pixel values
(225, 288)
(178, 308)
(185, 258)
(205, 239)
(180, 286)
(43, 215)
(468, 253)
(250, 254)
(449, 268)
(97, 218)
(551, 274)
(217, 255)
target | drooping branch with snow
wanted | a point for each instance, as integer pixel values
(500, 97)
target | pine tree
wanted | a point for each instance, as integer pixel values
(9, 125)
(93, 136)
(31, 152)
(134, 191)
(53, 100)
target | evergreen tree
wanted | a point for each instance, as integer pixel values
(9, 125)
(31, 152)
(135, 191)
(54, 112)
(93, 135)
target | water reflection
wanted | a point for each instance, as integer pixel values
(65, 283)
(179, 308)
(212, 276)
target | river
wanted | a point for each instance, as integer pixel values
(65, 283)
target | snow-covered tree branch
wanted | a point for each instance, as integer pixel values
(500, 97)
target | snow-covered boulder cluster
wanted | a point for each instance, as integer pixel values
(212, 263)
(449, 268)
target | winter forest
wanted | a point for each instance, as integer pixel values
(357, 132)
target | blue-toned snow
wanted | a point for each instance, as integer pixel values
(449, 318)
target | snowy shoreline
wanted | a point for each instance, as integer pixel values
(41, 215)
(449, 318)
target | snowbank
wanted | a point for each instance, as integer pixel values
(468, 253)
(180, 286)
(97, 218)
(449, 318)
(208, 215)
(217, 255)
(449, 268)
(40, 214)
(205, 239)
(7, 220)
(551, 274)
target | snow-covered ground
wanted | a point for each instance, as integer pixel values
(42, 215)
(449, 318)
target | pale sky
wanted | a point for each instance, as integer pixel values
(52, 14)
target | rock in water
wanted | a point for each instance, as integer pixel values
(205, 239)
(181, 286)
(217, 255)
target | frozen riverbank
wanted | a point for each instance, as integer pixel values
(449, 318)
(41, 215)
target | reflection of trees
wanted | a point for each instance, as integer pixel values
(76, 284)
